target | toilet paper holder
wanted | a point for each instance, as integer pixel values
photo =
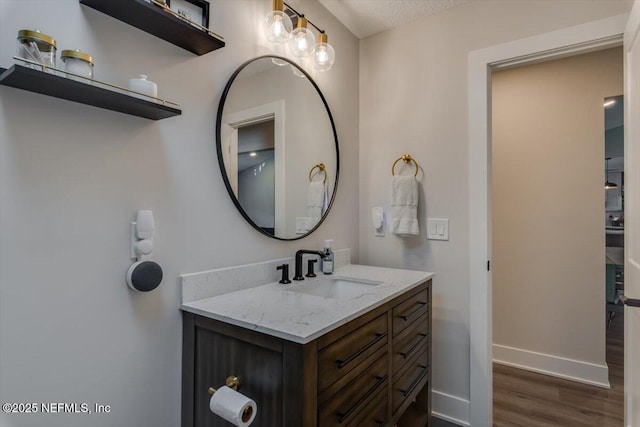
(231, 382)
(248, 412)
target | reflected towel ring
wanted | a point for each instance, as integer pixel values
(321, 168)
(406, 158)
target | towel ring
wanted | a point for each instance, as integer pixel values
(406, 158)
(321, 168)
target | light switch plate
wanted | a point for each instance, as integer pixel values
(437, 229)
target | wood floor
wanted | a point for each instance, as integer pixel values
(526, 399)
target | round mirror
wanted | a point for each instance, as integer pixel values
(277, 147)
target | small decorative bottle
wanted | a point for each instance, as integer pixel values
(327, 260)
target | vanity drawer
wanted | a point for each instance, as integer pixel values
(408, 380)
(346, 405)
(374, 414)
(409, 310)
(348, 352)
(410, 342)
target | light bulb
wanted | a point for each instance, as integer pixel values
(324, 55)
(277, 24)
(301, 41)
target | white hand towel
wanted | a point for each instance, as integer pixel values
(315, 199)
(404, 205)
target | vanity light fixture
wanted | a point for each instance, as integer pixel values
(277, 24)
(324, 55)
(607, 184)
(302, 40)
(253, 154)
(302, 43)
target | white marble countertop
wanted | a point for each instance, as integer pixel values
(274, 310)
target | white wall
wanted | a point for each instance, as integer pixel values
(547, 197)
(413, 99)
(72, 178)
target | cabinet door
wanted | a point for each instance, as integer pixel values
(259, 369)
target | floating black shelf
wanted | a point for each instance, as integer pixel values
(37, 81)
(152, 19)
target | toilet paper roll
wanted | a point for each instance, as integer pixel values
(234, 407)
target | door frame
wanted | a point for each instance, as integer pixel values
(589, 37)
(632, 226)
(270, 111)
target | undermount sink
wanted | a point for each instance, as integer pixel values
(335, 287)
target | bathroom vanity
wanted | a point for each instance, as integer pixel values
(350, 349)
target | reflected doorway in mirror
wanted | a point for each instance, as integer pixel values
(304, 135)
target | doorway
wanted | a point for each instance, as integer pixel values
(548, 241)
(262, 129)
(256, 173)
(583, 38)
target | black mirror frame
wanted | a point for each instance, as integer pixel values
(223, 170)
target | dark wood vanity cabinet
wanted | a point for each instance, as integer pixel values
(373, 371)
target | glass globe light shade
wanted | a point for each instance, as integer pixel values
(277, 26)
(302, 41)
(324, 56)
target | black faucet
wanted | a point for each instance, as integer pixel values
(298, 275)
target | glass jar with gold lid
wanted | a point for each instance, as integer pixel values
(36, 47)
(77, 62)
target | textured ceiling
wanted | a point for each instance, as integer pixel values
(368, 17)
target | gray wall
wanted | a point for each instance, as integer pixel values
(413, 99)
(72, 178)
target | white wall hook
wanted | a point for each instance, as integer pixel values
(145, 226)
(142, 231)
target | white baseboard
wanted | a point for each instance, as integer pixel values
(450, 408)
(569, 369)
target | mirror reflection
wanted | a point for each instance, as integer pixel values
(277, 148)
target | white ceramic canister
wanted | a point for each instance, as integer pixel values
(36, 47)
(142, 85)
(77, 62)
